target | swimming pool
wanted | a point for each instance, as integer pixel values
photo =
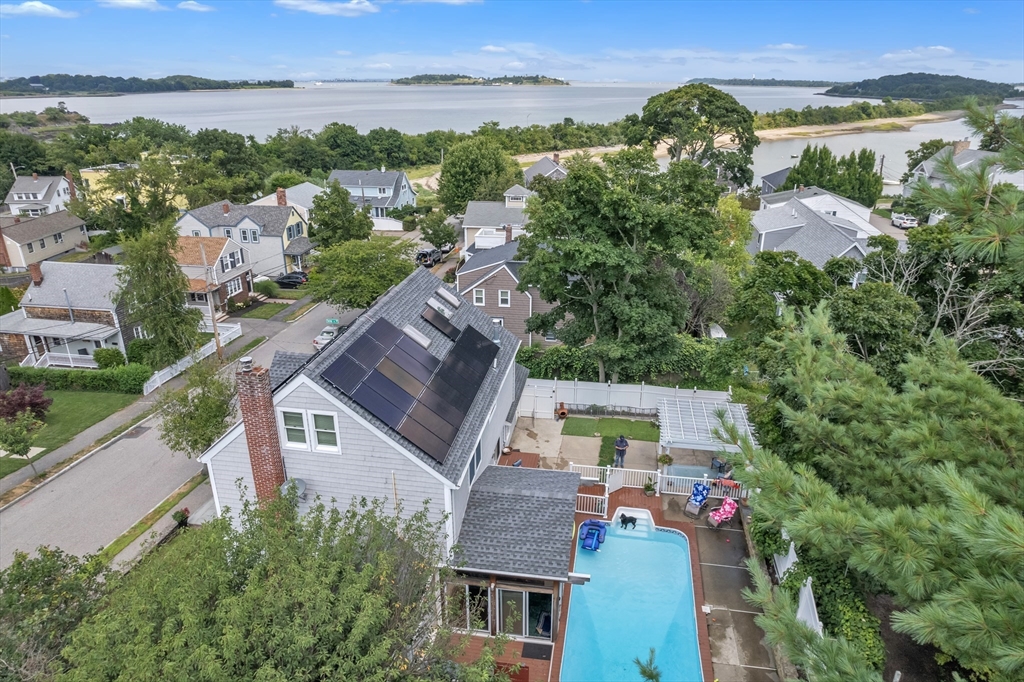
(640, 595)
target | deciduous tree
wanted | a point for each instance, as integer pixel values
(477, 170)
(354, 274)
(16, 435)
(436, 231)
(852, 176)
(335, 219)
(199, 413)
(924, 151)
(153, 290)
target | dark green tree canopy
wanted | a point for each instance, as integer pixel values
(354, 274)
(476, 170)
(335, 219)
(852, 176)
(436, 231)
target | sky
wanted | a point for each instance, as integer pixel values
(576, 40)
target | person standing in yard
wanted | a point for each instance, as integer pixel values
(621, 445)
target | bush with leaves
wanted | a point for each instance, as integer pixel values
(140, 351)
(268, 288)
(107, 358)
(199, 413)
(130, 378)
(24, 397)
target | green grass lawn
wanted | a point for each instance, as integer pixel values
(71, 413)
(610, 427)
(884, 212)
(264, 311)
(291, 294)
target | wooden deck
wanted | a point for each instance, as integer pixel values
(531, 460)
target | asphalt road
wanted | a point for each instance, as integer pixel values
(91, 505)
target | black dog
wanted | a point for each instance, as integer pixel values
(626, 520)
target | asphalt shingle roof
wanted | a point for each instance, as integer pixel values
(489, 257)
(805, 193)
(518, 191)
(520, 521)
(778, 177)
(403, 305)
(371, 180)
(89, 285)
(546, 167)
(190, 253)
(492, 214)
(303, 194)
(284, 365)
(272, 219)
(16, 323)
(30, 229)
(964, 159)
(43, 185)
(522, 374)
(298, 246)
(818, 238)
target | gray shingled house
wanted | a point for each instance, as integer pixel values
(380, 190)
(547, 167)
(813, 235)
(415, 401)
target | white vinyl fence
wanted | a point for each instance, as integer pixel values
(542, 397)
(62, 360)
(807, 610)
(228, 333)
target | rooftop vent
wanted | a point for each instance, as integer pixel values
(245, 364)
(449, 297)
(440, 307)
(416, 336)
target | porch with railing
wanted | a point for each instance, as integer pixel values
(62, 360)
(613, 479)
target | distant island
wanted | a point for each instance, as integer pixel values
(460, 79)
(769, 82)
(65, 84)
(926, 87)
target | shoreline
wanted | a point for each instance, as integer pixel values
(44, 95)
(874, 125)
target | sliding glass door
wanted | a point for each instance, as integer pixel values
(525, 614)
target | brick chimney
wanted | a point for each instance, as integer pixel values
(508, 234)
(555, 157)
(227, 208)
(282, 197)
(71, 184)
(37, 273)
(256, 401)
(800, 188)
(961, 146)
(35, 176)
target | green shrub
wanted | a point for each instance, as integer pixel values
(8, 301)
(129, 378)
(449, 277)
(108, 357)
(139, 351)
(409, 223)
(268, 288)
(766, 538)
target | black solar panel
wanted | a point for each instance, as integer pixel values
(434, 423)
(441, 323)
(400, 377)
(455, 397)
(442, 407)
(367, 351)
(418, 353)
(424, 439)
(378, 406)
(410, 364)
(390, 391)
(385, 333)
(345, 373)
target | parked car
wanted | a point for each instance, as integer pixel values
(292, 280)
(904, 220)
(428, 258)
(447, 248)
(326, 335)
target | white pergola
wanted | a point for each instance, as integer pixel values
(690, 424)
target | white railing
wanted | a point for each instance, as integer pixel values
(637, 478)
(62, 360)
(670, 485)
(542, 396)
(228, 333)
(592, 504)
(600, 474)
(29, 361)
(683, 485)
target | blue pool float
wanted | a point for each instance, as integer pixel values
(592, 534)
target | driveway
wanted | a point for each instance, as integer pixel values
(886, 227)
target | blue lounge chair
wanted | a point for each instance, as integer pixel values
(591, 540)
(698, 500)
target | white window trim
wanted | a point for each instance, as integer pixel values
(337, 436)
(309, 429)
(284, 432)
(479, 294)
(508, 298)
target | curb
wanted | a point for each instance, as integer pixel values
(316, 303)
(74, 464)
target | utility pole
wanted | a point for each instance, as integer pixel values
(881, 167)
(209, 302)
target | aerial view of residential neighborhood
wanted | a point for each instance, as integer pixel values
(507, 341)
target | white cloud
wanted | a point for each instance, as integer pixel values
(34, 8)
(493, 48)
(343, 53)
(443, 2)
(515, 65)
(918, 54)
(193, 6)
(350, 8)
(785, 46)
(151, 5)
(378, 65)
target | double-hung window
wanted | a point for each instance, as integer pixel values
(234, 286)
(504, 298)
(294, 426)
(325, 432)
(479, 297)
(227, 232)
(306, 430)
(58, 238)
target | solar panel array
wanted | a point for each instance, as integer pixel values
(423, 398)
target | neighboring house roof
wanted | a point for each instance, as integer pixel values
(303, 194)
(805, 193)
(16, 323)
(545, 167)
(522, 374)
(371, 180)
(777, 178)
(30, 229)
(520, 522)
(286, 364)
(109, 167)
(965, 159)
(486, 258)
(401, 306)
(272, 219)
(201, 286)
(817, 237)
(298, 246)
(518, 191)
(492, 214)
(190, 250)
(43, 185)
(89, 285)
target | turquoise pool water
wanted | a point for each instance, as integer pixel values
(640, 595)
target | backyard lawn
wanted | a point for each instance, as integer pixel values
(264, 311)
(71, 413)
(611, 426)
(291, 294)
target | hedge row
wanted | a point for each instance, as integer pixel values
(125, 379)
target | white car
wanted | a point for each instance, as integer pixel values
(904, 220)
(327, 334)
